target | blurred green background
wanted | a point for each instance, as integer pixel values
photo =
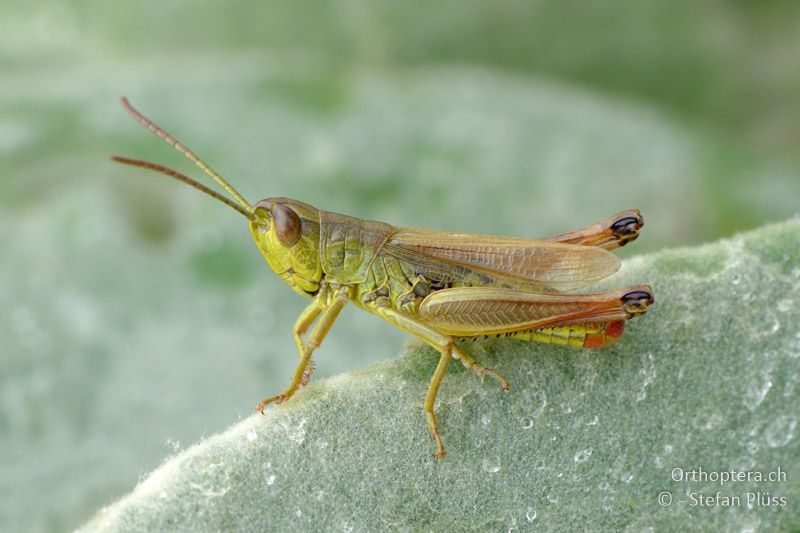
(137, 316)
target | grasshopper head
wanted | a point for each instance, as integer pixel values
(287, 233)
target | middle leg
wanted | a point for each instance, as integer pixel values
(469, 362)
(443, 343)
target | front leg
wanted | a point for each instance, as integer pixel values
(329, 313)
(304, 321)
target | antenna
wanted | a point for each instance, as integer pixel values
(172, 141)
(186, 179)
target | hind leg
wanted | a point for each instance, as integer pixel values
(613, 232)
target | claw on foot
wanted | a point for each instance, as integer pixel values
(280, 398)
(500, 379)
(483, 371)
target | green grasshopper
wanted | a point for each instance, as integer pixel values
(440, 287)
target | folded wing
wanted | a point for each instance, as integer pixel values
(501, 261)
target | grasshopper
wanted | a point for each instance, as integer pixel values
(441, 287)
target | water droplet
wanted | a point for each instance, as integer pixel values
(668, 448)
(757, 390)
(539, 465)
(593, 421)
(540, 401)
(583, 455)
(736, 279)
(772, 324)
(648, 374)
(780, 431)
(491, 464)
(252, 436)
(530, 514)
(346, 527)
(527, 423)
(212, 480)
(486, 419)
(323, 444)
(320, 495)
(298, 513)
(270, 479)
(296, 434)
(710, 422)
(566, 409)
(626, 477)
(752, 447)
(785, 305)
(552, 498)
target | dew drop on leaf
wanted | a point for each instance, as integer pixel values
(491, 465)
(583, 455)
(780, 431)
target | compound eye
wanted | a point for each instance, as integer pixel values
(287, 224)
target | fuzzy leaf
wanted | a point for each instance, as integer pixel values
(708, 379)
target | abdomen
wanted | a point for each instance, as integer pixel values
(586, 335)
